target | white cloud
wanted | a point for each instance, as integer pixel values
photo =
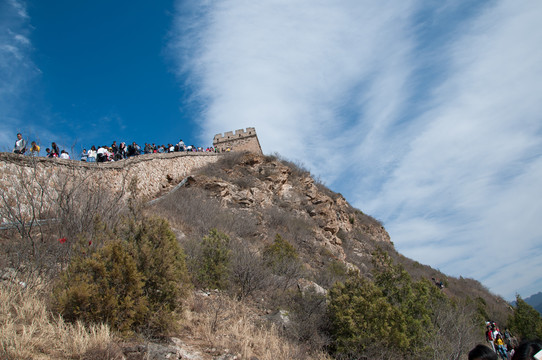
(291, 69)
(7, 50)
(443, 143)
(475, 158)
(22, 39)
(16, 67)
(19, 7)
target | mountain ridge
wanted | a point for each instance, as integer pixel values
(535, 301)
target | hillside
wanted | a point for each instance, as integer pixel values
(274, 196)
(288, 241)
(253, 198)
(264, 197)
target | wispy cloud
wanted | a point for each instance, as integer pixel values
(22, 39)
(297, 71)
(16, 67)
(19, 7)
(426, 117)
(470, 173)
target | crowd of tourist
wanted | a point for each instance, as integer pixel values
(122, 151)
(106, 153)
(527, 350)
(502, 344)
(497, 339)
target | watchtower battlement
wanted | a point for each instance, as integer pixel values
(241, 140)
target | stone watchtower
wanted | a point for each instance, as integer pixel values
(242, 140)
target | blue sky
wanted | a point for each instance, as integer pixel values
(427, 115)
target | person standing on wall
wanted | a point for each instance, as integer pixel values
(20, 145)
(34, 148)
(55, 149)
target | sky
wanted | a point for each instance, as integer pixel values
(424, 114)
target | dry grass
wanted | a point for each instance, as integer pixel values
(220, 322)
(192, 210)
(28, 331)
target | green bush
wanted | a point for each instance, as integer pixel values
(105, 287)
(361, 318)
(283, 260)
(213, 262)
(333, 272)
(391, 312)
(526, 322)
(279, 253)
(415, 300)
(135, 282)
(161, 261)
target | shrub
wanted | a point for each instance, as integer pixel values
(361, 319)
(105, 287)
(43, 208)
(248, 272)
(333, 272)
(212, 262)
(194, 211)
(281, 251)
(283, 221)
(161, 261)
(133, 283)
(526, 322)
(395, 312)
(459, 329)
(308, 318)
(283, 260)
(415, 300)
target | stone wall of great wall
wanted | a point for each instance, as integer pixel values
(21, 176)
(241, 140)
(154, 172)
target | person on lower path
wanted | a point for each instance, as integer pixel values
(499, 347)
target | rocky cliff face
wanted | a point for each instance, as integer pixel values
(285, 199)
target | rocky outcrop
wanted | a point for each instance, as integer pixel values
(258, 183)
(171, 348)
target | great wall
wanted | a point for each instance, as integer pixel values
(242, 140)
(154, 172)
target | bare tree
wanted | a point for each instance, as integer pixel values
(457, 330)
(42, 206)
(27, 204)
(248, 272)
